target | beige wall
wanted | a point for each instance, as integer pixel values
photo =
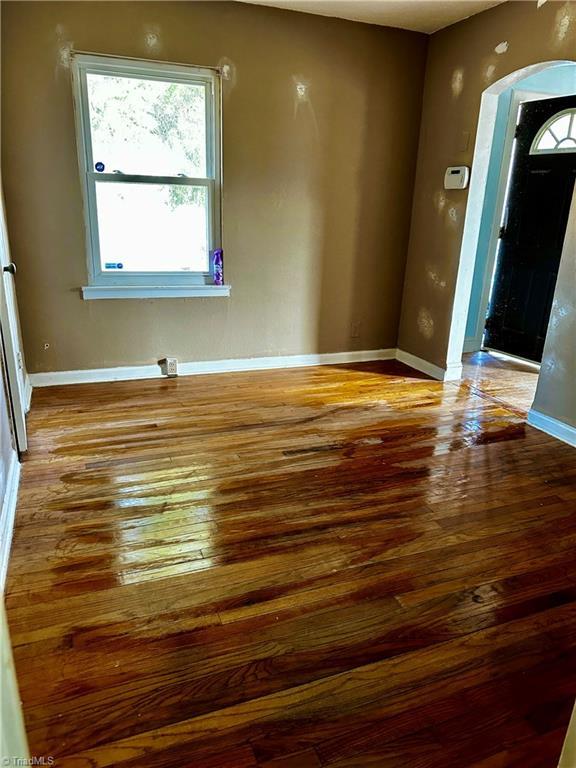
(568, 756)
(461, 63)
(317, 195)
(556, 391)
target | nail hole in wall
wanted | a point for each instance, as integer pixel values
(228, 72)
(152, 39)
(440, 200)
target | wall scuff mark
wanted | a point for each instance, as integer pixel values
(302, 100)
(425, 323)
(64, 50)
(440, 200)
(564, 23)
(228, 73)
(489, 72)
(457, 82)
(435, 278)
(453, 215)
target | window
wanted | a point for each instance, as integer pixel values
(556, 135)
(149, 148)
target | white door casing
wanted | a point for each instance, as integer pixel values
(18, 382)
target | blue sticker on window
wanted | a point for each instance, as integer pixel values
(113, 265)
(99, 166)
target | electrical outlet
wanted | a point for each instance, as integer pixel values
(169, 366)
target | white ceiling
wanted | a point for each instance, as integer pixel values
(418, 15)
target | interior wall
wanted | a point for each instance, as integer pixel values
(556, 389)
(463, 60)
(568, 756)
(13, 742)
(317, 191)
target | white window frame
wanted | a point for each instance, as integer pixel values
(103, 284)
(548, 127)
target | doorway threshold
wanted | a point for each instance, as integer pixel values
(505, 356)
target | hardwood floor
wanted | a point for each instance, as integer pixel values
(347, 566)
(513, 382)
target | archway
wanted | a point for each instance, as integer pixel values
(492, 156)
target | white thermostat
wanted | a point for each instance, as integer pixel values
(456, 177)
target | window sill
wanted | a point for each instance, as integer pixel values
(152, 292)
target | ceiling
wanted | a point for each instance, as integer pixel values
(418, 15)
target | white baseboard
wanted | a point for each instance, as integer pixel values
(7, 516)
(451, 373)
(129, 373)
(552, 426)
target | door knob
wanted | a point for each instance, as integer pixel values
(10, 268)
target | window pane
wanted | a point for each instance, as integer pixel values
(152, 227)
(546, 142)
(561, 127)
(147, 127)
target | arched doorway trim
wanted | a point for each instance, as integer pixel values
(476, 202)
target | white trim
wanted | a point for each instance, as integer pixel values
(552, 426)
(517, 98)
(27, 395)
(133, 372)
(450, 373)
(152, 292)
(506, 165)
(7, 516)
(85, 64)
(13, 742)
(172, 64)
(128, 373)
(12, 337)
(475, 203)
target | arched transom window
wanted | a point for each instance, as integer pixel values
(556, 135)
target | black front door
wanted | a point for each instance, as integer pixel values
(530, 244)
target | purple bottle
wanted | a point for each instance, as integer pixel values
(218, 262)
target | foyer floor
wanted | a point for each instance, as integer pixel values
(348, 566)
(512, 382)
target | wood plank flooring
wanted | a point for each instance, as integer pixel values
(511, 381)
(347, 566)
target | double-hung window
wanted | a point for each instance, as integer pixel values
(149, 149)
